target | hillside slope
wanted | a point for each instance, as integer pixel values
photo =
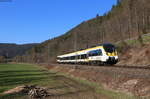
(127, 19)
(12, 50)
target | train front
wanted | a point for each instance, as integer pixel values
(110, 54)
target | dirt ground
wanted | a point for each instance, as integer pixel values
(75, 90)
(136, 55)
(128, 80)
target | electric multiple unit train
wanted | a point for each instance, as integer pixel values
(101, 54)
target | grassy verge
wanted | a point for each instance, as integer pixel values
(13, 75)
(100, 89)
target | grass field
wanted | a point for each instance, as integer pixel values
(61, 86)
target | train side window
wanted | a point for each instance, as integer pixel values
(95, 53)
(61, 58)
(69, 58)
(78, 57)
(84, 56)
(72, 57)
(100, 52)
(65, 58)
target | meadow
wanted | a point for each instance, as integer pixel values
(60, 85)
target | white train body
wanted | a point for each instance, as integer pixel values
(104, 53)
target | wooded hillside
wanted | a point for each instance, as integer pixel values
(127, 19)
(11, 50)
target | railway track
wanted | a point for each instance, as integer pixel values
(131, 67)
(141, 72)
(77, 66)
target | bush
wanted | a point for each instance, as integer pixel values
(122, 47)
(2, 59)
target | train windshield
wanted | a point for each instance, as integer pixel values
(109, 48)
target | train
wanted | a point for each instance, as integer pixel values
(99, 55)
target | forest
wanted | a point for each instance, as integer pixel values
(126, 20)
(8, 50)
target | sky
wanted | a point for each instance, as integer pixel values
(34, 21)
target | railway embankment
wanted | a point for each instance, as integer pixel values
(135, 51)
(128, 80)
(136, 55)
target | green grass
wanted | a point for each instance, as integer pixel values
(12, 75)
(101, 90)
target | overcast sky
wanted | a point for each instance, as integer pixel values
(34, 21)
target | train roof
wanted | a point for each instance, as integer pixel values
(84, 51)
(80, 52)
(105, 44)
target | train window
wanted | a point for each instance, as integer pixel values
(68, 58)
(61, 58)
(100, 52)
(78, 57)
(95, 53)
(84, 56)
(65, 58)
(72, 57)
